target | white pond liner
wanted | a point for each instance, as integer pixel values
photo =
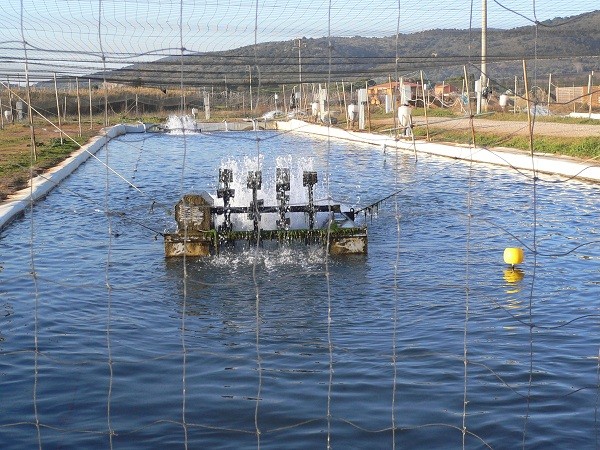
(543, 163)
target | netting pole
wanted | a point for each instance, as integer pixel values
(549, 90)
(469, 104)
(226, 95)
(105, 88)
(78, 105)
(1, 115)
(90, 93)
(424, 107)
(30, 116)
(527, 100)
(12, 116)
(345, 105)
(590, 84)
(250, 82)
(368, 105)
(58, 109)
(515, 97)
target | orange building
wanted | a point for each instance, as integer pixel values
(444, 90)
(378, 92)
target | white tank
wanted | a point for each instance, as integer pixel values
(404, 115)
(503, 100)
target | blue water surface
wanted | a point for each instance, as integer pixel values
(428, 341)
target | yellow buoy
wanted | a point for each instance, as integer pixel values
(513, 255)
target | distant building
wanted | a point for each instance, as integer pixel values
(445, 90)
(378, 92)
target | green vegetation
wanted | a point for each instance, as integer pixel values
(17, 162)
(578, 147)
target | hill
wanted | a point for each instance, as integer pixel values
(567, 47)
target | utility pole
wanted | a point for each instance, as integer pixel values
(482, 103)
(300, 45)
(251, 103)
(299, 59)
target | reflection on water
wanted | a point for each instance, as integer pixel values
(513, 277)
(513, 286)
(338, 344)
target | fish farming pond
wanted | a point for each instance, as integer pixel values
(105, 343)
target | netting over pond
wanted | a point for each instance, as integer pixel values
(427, 340)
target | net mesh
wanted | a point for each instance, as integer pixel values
(85, 42)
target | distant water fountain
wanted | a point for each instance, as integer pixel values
(187, 124)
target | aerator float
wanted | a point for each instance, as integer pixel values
(204, 228)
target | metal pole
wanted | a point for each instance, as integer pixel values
(299, 103)
(78, 105)
(251, 103)
(300, 61)
(484, 79)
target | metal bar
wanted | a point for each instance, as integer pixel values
(274, 209)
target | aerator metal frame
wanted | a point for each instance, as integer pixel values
(196, 215)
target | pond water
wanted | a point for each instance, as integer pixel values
(105, 343)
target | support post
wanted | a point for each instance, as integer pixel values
(424, 106)
(58, 109)
(590, 85)
(78, 105)
(10, 102)
(483, 104)
(90, 93)
(549, 90)
(515, 97)
(529, 123)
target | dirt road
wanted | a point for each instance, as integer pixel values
(510, 127)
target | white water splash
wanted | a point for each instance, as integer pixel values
(303, 258)
(243, 195)
(181, 124)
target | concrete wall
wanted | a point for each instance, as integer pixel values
(41, 185)
(550, 164)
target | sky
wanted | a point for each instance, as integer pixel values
(73, 34)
